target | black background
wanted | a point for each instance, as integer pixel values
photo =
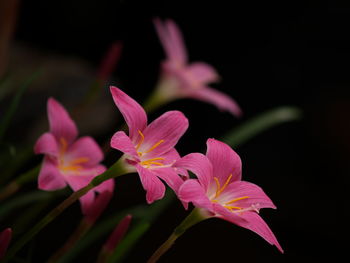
(269, 54)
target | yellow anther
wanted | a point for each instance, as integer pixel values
(237, 199)
(217, 187)
(141, 140)
(154, 146)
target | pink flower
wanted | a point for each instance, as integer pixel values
(68, 159)
(149, 149)
(5, 238)
(181, 79)
(117, 234)
(219, 191)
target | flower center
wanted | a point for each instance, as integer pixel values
(65, 165)
(229, 205)
(153, 162)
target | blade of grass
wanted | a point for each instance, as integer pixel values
(261, 123)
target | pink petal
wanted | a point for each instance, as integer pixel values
(5, 238)
(203, 72)
(200, 165)
(169, 175)
(256, 224)
(170, 158)
(49, 177)
(61, 124)
(154, 187)
(217, 98)
(225, 161)
(177, 41)
(172, 41)
(101, 201)
(255, 194)
(192, 191)
(118, 234)
(122, 142)
(224, 213)
(76, 182)
(134, 115)
(46, 144)
(85, 147)
(169, 127)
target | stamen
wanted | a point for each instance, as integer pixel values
(233, 207)
(80, 160)
(141, 140)
(64, 145)
(237, 199)
(154, 146)
(219, 189)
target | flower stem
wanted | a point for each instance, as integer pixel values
(193, 218)
(115, 170)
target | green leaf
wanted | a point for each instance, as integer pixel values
(260, 123)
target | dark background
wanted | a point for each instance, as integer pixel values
(269, 54)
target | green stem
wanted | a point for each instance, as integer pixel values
(115, 170)
(193, 218)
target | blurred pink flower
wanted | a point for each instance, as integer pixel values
(219, 191)
(109, 61)
(68, 159)
(117, 234)
(149, 149)
(5, 238)
(181, 79)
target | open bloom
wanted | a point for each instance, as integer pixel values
(219, 191)
(5, 238)
(181, 79)
(68, 159)
(149, 149)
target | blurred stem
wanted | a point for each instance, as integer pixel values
(15, 185)
(193, 218)
(80, 231)
(115, 170)
(260, 123)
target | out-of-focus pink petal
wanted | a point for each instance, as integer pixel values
(101, 201)
(5, 238)
(217, 98)
(133, 113)
(109, 61)
(177, 41)
(192, 191)
(118, 234)
(61, 124)
(199, 165)
(169, 127)
(225, 161)
(76, 182)
(203, 72)
(85, 147)
(256, 224)
(49, 177)
(122, 142)
(151, 183)
(255, 194)
(46, 144)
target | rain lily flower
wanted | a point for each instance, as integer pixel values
(180, 79)
(219, 191)
(5, 238)
(149, 149)
(68, 159)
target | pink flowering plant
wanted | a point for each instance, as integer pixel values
(212, 183)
